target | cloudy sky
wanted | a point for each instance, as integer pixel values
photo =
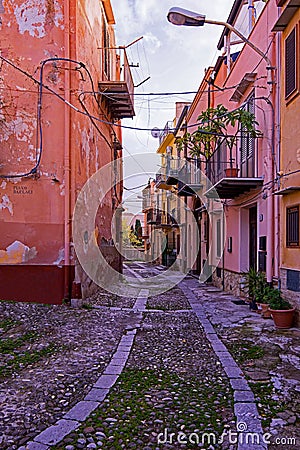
(173, 57)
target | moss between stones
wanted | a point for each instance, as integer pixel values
(145, 403)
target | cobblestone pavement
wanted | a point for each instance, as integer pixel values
(165, 375)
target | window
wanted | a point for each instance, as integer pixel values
(106, 45)
(290, 64)
(248, 145)
(292, 226)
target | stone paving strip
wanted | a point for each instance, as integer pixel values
(82, 410)
(245, 409)
(268, 357)
(50, 356)
(172, 386)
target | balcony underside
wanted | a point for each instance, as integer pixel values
(162, 184)
(188, 190)
(172, 179)
(166, 226)
(233, 187)
(118, 99)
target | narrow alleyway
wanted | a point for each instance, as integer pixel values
(147, 373)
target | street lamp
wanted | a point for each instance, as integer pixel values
(180, 16)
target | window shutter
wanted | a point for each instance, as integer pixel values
(290, 63)
(292, 226)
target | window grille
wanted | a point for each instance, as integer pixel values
(292, 226)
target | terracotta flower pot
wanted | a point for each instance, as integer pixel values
(283, 318)
(264, 309)
(231, 172)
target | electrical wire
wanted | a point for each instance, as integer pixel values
(136, 187)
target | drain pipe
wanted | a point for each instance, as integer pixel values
(67, 167)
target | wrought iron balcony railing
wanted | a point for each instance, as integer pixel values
(117, 88)
(233, 173)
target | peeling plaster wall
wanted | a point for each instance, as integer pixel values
(33, 209)
(34, 16)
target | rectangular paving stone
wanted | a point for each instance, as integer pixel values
(121, 354)
(243, 396)
(106, 381)
(118, 361)
(248, 445)
(233, 372)
(34, 446)
(209, 329)
(213, 337)
(131, 332)
(81, 410)
(127, 340)
(229, 363)
(205, 322)
(56, 433)
(245, 409)
(113, 370)
(219, 346)
(239, 384)
(124, 348)
(96, 395)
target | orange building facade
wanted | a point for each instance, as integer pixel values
(287, 26)
(59, 73)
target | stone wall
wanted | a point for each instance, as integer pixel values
(292, 296)
(232, 282)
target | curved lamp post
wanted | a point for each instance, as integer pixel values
(180, 16)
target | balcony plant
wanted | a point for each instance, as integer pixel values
(217, 125)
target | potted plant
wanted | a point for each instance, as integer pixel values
(281, 310)
(265, 295)
(254, 286)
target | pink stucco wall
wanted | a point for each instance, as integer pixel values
(36, 210)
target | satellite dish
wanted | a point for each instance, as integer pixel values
(155, 132)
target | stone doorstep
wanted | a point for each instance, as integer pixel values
(96, 395)
(81, 410)
(56, 433)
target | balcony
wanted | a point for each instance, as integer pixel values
(145, 233)
(166, 137)
(147, 200)
(153, 217)
(229, 179)
(161, 180)
(190, 180)
(173, 168)
(117, 91)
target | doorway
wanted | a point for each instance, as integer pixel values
(253, 237)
